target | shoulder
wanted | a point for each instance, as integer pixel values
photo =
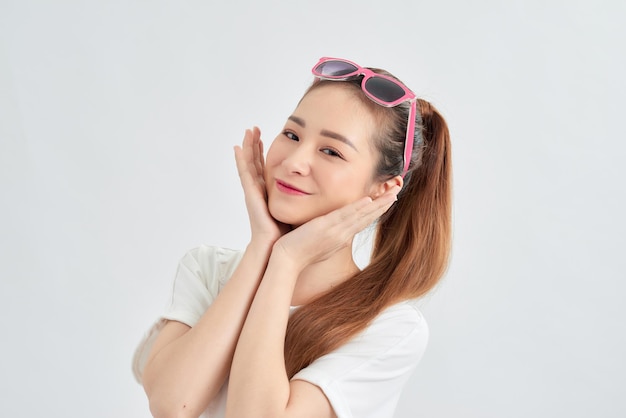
(405, 314)
(365, 376)
(400, 328)
(210, 262)
(396, 338)
(202, 273)
(205, 254)
(407, 310)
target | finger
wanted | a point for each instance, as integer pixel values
(250, 177)
(257, 152)
(381, 204)
(366, 207)
(244, 140)
(248, 145)
(244, 154)
(258, 157)
(389, 195)
(358, 215)
(240, 161)
(253, 152)
(254, 134)
(244, 145)
(262, 154)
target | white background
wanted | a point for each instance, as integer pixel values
(117, 121)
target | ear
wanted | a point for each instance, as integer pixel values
(381, 188)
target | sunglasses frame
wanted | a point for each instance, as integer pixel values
(367, 74)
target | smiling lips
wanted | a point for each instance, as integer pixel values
(289, 189)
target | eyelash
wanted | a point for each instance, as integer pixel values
(327, 150)
(331, 152)
(290, 135)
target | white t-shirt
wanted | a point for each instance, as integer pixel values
(361, 379)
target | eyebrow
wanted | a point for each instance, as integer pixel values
(325, 132)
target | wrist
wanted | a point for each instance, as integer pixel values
(264, 239)
(287, 259)
(260, 248)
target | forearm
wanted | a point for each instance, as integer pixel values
(183, 376)
(258, 383)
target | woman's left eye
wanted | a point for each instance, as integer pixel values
(331, 152)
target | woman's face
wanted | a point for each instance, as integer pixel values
(323, 159)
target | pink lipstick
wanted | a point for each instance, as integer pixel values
(289, 189)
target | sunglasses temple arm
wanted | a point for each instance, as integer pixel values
(410, 134)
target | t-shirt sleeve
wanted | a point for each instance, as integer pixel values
(365, 377)
(200, 276)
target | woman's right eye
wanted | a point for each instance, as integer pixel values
(291, 136)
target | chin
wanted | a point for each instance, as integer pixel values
(293, 221)
(289, 216)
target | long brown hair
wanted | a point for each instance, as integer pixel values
(411, 244)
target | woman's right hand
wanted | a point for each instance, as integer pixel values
(251, 169)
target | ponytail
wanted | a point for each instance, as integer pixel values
(410, 251)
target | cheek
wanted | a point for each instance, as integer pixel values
(349, 183)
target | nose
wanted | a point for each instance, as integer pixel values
(299, 160)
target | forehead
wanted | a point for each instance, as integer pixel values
(338, 107)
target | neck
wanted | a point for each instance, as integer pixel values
(321, 277)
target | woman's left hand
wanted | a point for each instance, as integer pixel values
(321, 237)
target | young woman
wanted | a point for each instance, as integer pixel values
(291, 327)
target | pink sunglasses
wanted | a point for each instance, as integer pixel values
(384, 90)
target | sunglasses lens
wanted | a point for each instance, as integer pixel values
(335, 68)
(384, 90)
